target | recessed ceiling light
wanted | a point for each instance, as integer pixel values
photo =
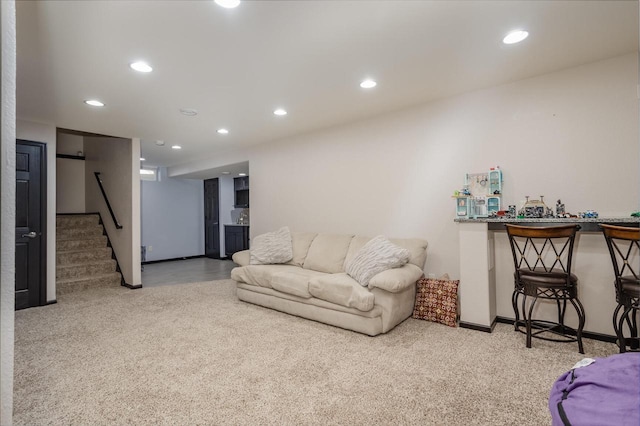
(94, 102)
(242, 174)
(223, 131)
(280, 111)
(226, 173)
(188, 111)
(228, 4)
(142, 159)
(160, 143)
(176, 147)
(515, 37)
(141, 66)
(368, 84)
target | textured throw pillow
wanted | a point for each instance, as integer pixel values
(437, 301)
(272, 247)
(378, 255)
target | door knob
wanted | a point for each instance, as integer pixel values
(29, 235)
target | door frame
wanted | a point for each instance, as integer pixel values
(217, 203)
(43, 216)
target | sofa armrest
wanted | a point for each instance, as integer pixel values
(397, 279)
(242, 258)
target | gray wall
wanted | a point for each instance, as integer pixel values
(172, 217)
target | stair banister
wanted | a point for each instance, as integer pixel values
(106, 199)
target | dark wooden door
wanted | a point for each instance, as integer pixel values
(30, 224)
(211, 219)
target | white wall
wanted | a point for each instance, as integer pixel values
(46, 133)
(571, 134)
(226, 205)
(7, 205)
(69, 144)
(70, 177)
(172, 217)
(70, 186)
(118, 161)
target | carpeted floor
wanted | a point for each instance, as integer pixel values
(194, 354)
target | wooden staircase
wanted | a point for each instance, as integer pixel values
(83, 257)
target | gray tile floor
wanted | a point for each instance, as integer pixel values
(186, 271)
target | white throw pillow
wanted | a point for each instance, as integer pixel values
(272, 247)
(378, 255)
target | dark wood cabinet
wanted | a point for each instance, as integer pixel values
(241, 192)
(240, 183)
(236, 238)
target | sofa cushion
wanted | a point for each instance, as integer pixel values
(260, 275)
(342, 290)
(327, 253)
(295, 283)
(272, 247)
(417, 248)
(375, 256)
(241, 258)
(397, 279)
(357, 243)
(300, 242)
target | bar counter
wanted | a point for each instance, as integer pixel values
(486, 270)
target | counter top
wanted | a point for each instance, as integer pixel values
(551, 220)
(236, 224)
(588, 224)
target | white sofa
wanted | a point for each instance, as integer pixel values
(314, 284)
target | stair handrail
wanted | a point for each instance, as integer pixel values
(106, 199)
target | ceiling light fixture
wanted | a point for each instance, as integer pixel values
(146, 172)
(368, 84)
(228, 4)
(226, 173)
(176, 147)
(141, 66)
(280, 111)
(188, 112)
(142, 159)
(160, 143)
(94, 102)
(242, 174)
(515, 37)
(223, 131)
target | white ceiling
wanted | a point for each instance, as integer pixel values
(235, 66)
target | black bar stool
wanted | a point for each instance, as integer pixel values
(624, 248)
(542, 258)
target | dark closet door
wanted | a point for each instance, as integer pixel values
(211, 219)
(30, 224)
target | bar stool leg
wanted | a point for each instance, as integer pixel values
(516, 311)
(634, 330)
(529, 332)
(581, 320)
(621, 340)
(616, 312)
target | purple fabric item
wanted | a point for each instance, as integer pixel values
(606, 392)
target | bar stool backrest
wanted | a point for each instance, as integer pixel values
(624, 247)
(544, 250)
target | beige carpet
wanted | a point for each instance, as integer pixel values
(193, 354)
